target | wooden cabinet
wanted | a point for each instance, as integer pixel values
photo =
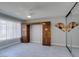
(47, 33)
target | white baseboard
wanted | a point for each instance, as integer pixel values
(58, 44)
(75, 46)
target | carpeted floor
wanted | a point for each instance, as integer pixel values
(34, 50)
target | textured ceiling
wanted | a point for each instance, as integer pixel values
(37, 9)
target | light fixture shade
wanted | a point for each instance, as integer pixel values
(61, 26)
(28, 16)
(71, 26)
(66, 28)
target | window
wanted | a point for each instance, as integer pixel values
(18, 26)
(9, 30)
(2, 30)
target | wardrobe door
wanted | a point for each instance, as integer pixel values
(25, 33)
(28, 33)
(47, 33)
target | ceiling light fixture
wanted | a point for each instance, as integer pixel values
(30, 13)
(29, 16)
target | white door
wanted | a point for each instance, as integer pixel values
(36, 33)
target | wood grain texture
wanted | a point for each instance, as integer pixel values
(25, 33)
(46, 37)
(47, 33)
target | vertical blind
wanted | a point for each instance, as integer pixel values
(9, 30)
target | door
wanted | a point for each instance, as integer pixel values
(25, 33)
(47, 33)
(36, 33)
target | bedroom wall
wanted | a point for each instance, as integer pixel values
(57, 36)
(73, 35)
(75, 31)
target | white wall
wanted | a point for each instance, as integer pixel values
(73, 35)
(57, 36)
(74, 16)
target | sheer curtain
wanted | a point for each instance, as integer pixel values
(9, 30)
(2, 30)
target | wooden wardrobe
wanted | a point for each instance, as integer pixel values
(25, 33)
(46, 33)
(46, 37)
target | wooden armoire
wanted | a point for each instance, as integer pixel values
(25, 33)
(46, 33)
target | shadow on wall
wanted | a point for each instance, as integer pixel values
(68, 27)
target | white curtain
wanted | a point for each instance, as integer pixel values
(9, 30)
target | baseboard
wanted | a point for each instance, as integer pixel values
(75, 46)
(58, 44)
